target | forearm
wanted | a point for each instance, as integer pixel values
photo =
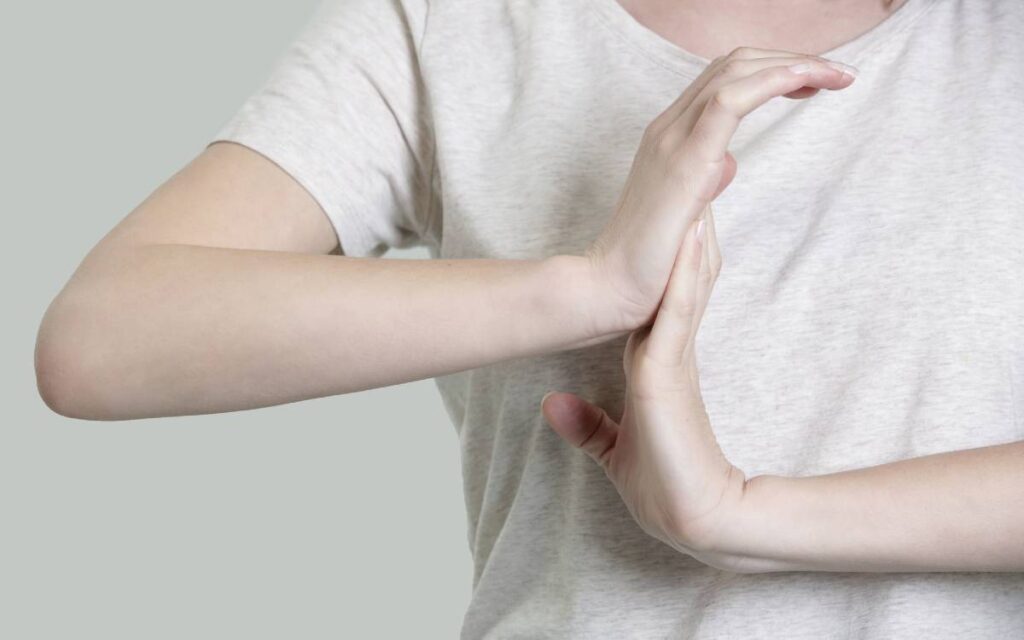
(955, 511)
(178, 329)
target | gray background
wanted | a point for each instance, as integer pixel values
(337, 517)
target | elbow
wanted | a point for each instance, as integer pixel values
(56, 384)
(65, 379)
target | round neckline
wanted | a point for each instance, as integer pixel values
(668, 54)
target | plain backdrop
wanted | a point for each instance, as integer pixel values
(330, 518)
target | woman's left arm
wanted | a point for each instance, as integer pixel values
(953, 511)
(956, 511)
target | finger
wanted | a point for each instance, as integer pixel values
(671, 113)
(729, 103)
(671, 329)
(744, 68)
(711, 248)
(802, 92)
(704, 284)
(714, 251)
(822, 74)
(581, 424)
(709, 72)
(712, 71)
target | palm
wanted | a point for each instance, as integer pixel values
(662, 455)
(665, 462)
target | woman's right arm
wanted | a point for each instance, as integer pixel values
(216, 294)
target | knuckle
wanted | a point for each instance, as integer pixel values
(720, 100)
(665, 146)
(656, 144)
(651, 133)
(741, 52)
(657, 126)
(732, 68)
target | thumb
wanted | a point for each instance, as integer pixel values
(581, 424)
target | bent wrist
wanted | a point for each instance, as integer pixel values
(578, 292)
(754, 539)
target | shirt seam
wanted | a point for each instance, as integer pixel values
(604, 20)
(900, 30)
(428, 223)
(652, 57)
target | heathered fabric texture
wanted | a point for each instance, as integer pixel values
(869, 308)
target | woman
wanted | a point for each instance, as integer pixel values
(850, 463)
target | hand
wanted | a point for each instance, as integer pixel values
(662, 456)
(682, 165)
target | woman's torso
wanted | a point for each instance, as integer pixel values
(868, 309)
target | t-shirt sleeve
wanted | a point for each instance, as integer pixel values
(344, 112)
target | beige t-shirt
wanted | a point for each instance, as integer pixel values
(869, 308)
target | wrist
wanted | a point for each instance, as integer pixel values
(752, 539)
(577, 287)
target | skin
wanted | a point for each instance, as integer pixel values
(217, 293)
(711, 28)
(954, 511)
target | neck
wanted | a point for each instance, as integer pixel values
(712, 28)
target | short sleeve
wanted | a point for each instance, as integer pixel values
(344, 112)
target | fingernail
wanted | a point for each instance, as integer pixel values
(700, 231)
(803, 67)
(845, 68)
(546, 396)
